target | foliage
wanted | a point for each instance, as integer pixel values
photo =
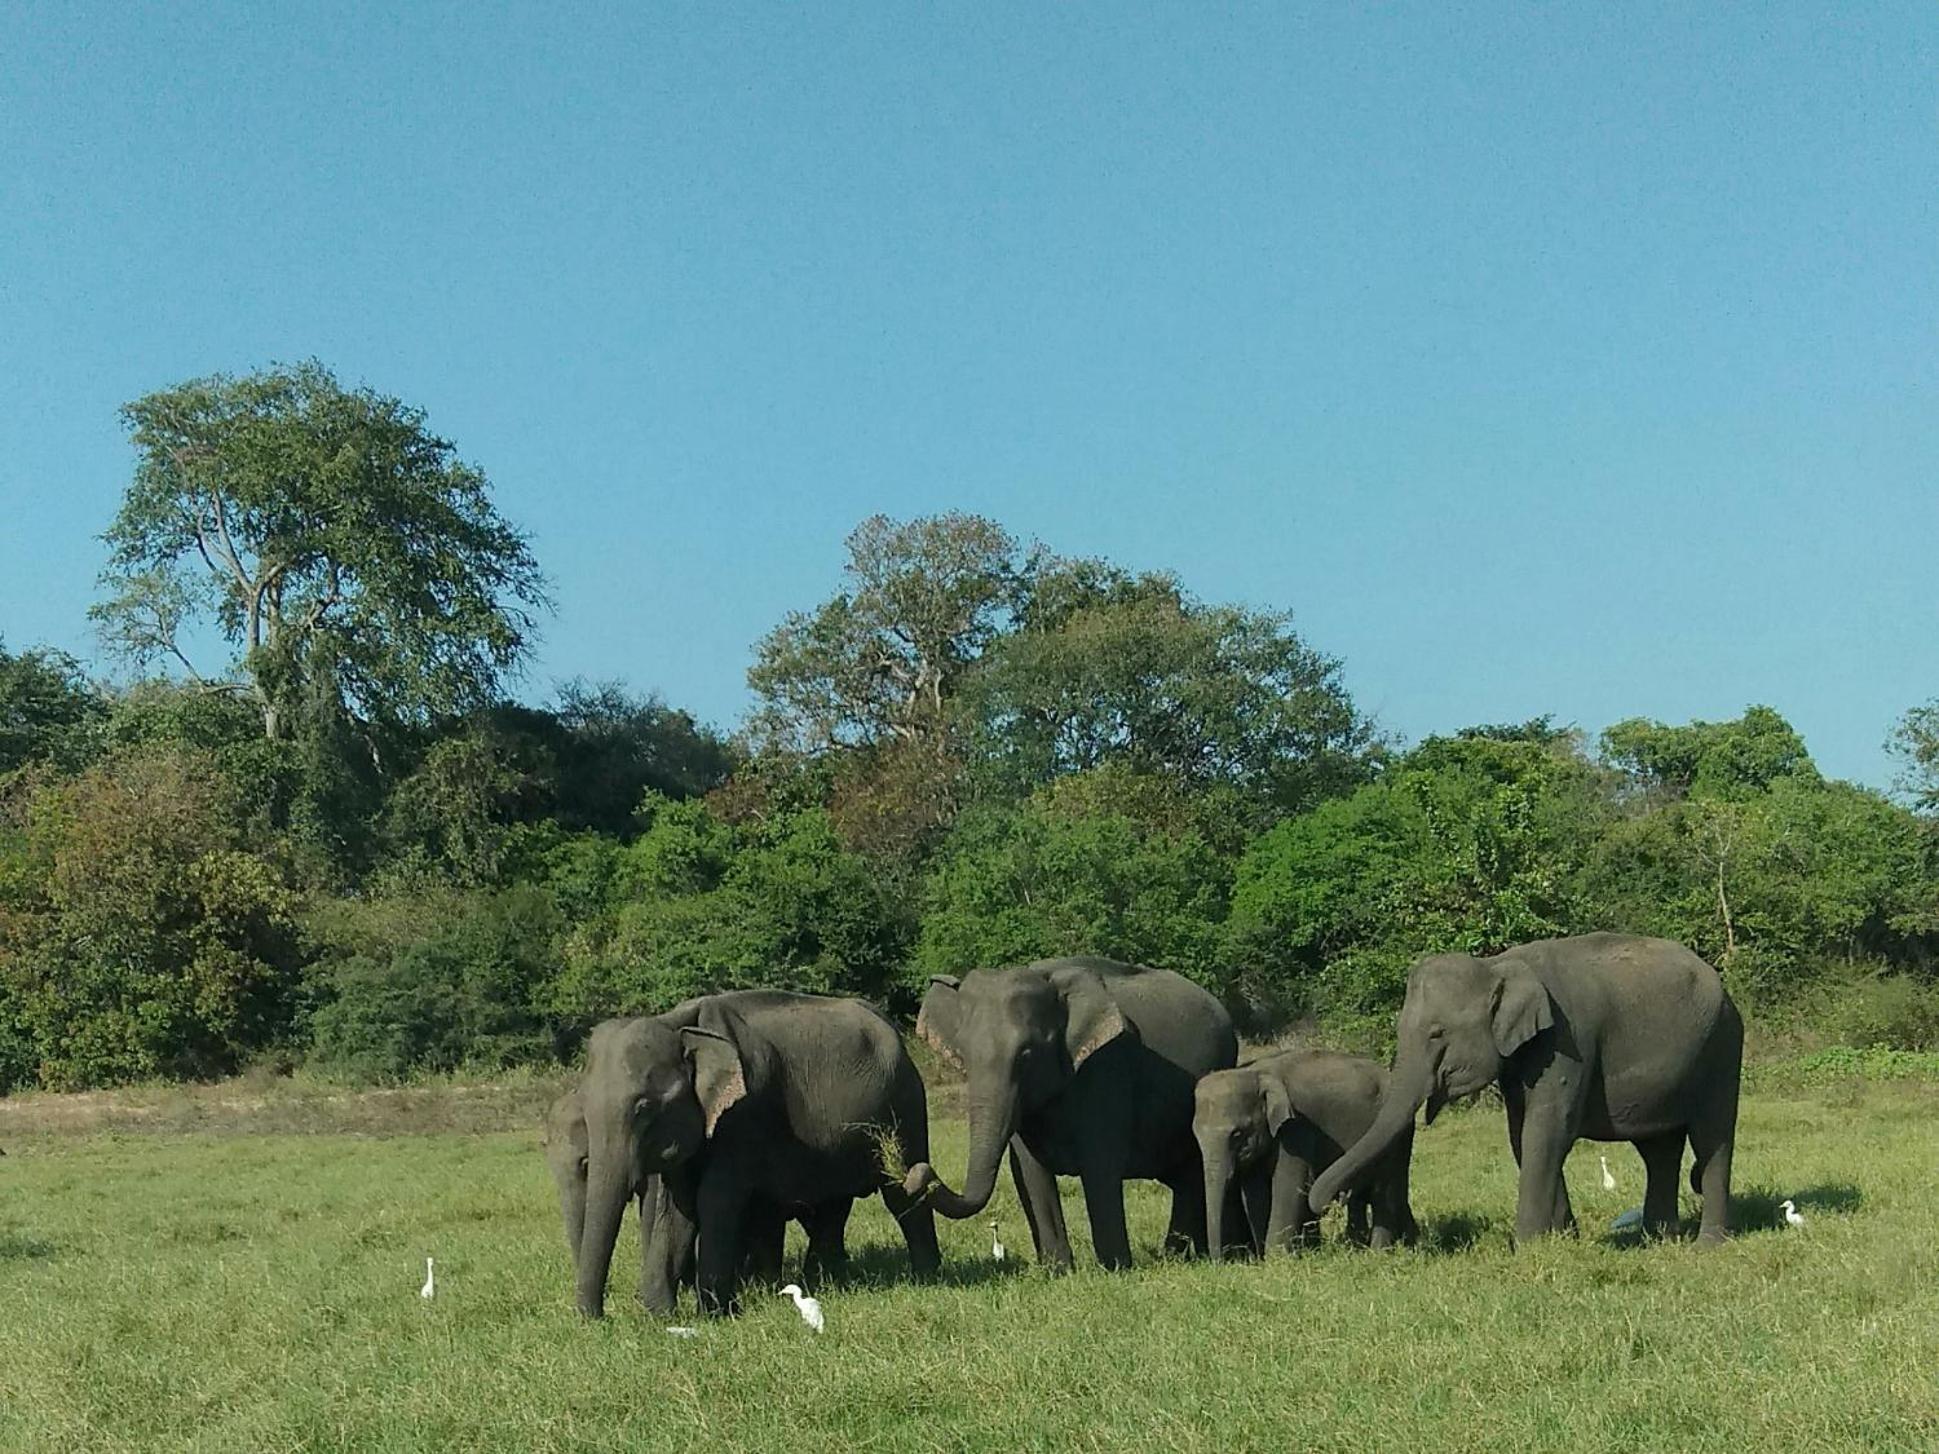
(1110, 668)
(140, 933)
(1050, 878)
(436, 983)
(1470, 842)
(1708, 759)
(882, 659)
(698, 905)
(329, 537)
(48, 711)
(1915, 742)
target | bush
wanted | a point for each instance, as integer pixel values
(437, 984)
(1885, 1011)
(141, 935)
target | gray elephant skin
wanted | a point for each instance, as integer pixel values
(753, 1101)
(1272, 1124)
(1608, 1037)
(1081, 1067)
(667, 1260)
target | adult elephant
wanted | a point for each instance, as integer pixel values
(1082, 1067)
(735, 1102)
(667, 1247)
(1269, 1125)
(1611, 1037)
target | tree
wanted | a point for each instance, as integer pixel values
(1708, 759)
(48, 712)
(881, 660)
(1111, 668)
(1915, 742)
(329, 537)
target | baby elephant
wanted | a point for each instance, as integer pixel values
(1274, 1124)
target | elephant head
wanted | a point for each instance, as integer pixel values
(1019, 1035)
(1236, 1117)
(564, 1142)
(653, 1093)
(1462, 1020)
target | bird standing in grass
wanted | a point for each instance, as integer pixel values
(430, 1288)
(1608, 1176)
(997, 1249)
(1792, 1216)
(809, 1308)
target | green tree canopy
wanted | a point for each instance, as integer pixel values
(48, 710)
(330, 539)
(1708, 759)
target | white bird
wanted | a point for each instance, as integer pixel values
(809, 1308)
(1608, 1176)
(683, 1332)
(1792, 1216)
(430, 1288)
(996, 1243)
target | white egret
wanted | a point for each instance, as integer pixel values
(430, 1288)
(997, 1249)
(1792, 1216)
(809, 1308)
(1608, 1176)
(683, 1332)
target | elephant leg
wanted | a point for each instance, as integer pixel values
(1185, 1233)
(826, 1224)
(1104, 1203)
(764, 1236)
(667, 1237)
(1255, 1204)
(1043, 1207)
(1662, 1160)
(1713, 1140)
(1542, 1203)
(1292, 1223)
(722, 1204)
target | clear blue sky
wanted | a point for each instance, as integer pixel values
(1575, 359)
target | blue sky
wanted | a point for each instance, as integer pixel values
(1574, 359)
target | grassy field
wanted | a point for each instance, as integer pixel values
(239, 1271)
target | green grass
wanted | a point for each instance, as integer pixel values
(167, 1288)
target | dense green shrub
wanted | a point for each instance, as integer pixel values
(437, 983)
(141, 934)
(1051, 878)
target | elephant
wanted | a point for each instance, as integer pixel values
(750, 1100)
(1084, 1067)
(1275, 1121)
(1612, 1037)
(668, 1263)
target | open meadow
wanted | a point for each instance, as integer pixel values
(241, 1273)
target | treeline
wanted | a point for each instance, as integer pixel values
(342, 844)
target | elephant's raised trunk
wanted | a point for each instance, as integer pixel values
(993, 1121)
(608, 1188)
(1406, 1090)
(1218, 1186)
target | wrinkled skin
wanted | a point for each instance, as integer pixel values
(1079, 1067)
(1608, 1037)
(1269, 1125)
(754, 1102)
(763, 1228)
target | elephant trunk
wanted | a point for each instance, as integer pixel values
(1218, 1185)
(1406, 1090)
(993, 1121)
(608, 1189)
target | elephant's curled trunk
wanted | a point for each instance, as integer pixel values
(1403, 1099)
(992, 1123)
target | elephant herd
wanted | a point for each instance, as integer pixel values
(732, 1114)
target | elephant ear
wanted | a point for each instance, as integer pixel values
(1521, 1009)
(1279, 1105)
(719, 1074)
(1092, 1019)
(940, 1021)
